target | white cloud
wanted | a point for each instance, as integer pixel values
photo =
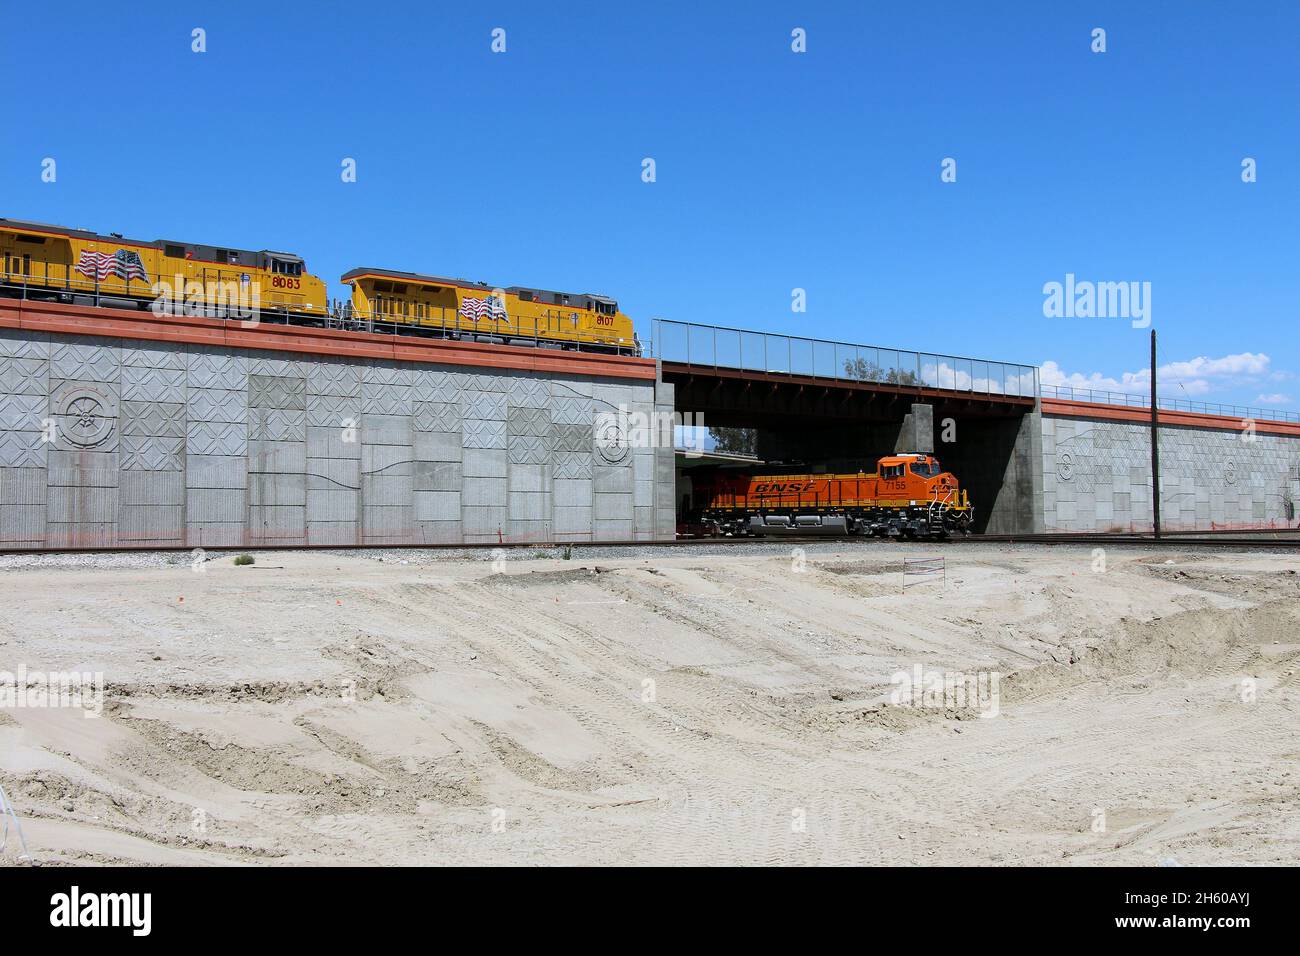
(1198, 376)
(1277, 398)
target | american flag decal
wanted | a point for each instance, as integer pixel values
(100, 265)
(475, 309)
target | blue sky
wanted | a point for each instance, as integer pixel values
(775, 170)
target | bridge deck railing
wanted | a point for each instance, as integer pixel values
(1100, 396)
(717, 347)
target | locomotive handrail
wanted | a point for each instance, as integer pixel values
(716, 346)
(37, 275)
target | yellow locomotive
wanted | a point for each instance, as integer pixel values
(86, 268)
(456, 308)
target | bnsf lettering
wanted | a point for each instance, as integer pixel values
(782, 487)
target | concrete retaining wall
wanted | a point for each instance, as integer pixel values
(1097, 476)
(113, 442)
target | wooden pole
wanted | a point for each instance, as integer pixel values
(1155, 444)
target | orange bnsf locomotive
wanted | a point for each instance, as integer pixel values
(907, 497)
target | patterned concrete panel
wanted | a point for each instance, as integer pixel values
(22, 449)
(23, 412)
(216, 405)
(436, 417)
(24, 376)
(573, 465)
(529, 393)
(572, 438)
(277, 424)
(19, 343)
(153, 419)
(484, 434)
(334, 411)
(270, 363)
(572, 410)
(145, 453)
(487, 382)
(199, 446)
(527, 450)
(211, 369)
(84, 361)
(484, 406)
(144, 384)
(378, 399)
(533, 422)
(1096, 477)
(334, 378)
(152, 356)
(216, 438)
(277, 391)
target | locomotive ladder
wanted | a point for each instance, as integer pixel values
(934, 513)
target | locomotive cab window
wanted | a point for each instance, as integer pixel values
(926, 469)
(891, 471)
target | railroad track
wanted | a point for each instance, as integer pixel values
(1263, 539)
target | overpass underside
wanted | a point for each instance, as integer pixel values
(991, 441)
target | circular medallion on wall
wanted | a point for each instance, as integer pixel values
(1230, 472)
(611, 440)
(1065, 467)
(85, 417)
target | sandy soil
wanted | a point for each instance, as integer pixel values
(684, 708)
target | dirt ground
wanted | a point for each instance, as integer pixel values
(690, 707)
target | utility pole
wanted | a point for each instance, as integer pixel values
(1155, 444)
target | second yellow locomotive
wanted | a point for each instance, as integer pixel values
(511, 316)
